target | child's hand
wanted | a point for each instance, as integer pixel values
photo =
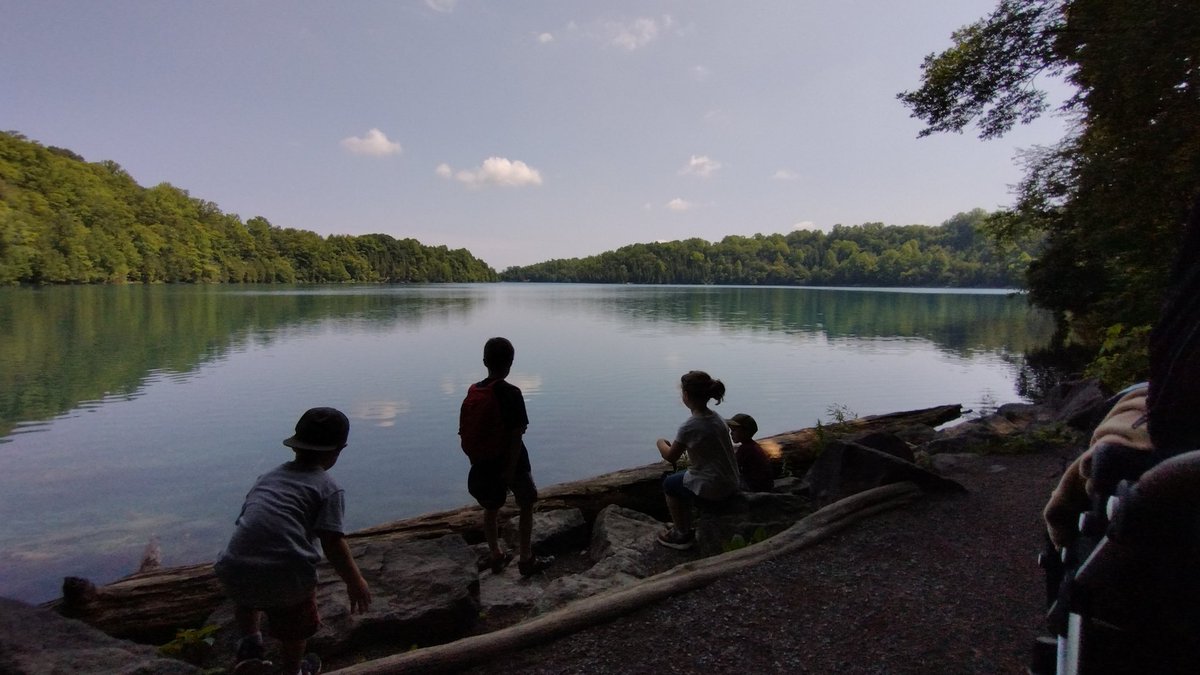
(360, 596)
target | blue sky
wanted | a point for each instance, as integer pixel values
(521, 130)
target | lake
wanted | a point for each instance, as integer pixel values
(128, 412)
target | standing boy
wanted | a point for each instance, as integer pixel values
(753, 464)
(270, 564)
(491, 422)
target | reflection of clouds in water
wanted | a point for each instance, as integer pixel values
(529, 384)
(380, 413)
(97, 538)
(450, 385)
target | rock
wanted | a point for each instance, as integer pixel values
(976, 436)
(553, 531)
(623, 543)
(885, 442)
(743, 516)
(34, 641)
(618, 530)
(844, 469)
(1083, 405)
(423, 592)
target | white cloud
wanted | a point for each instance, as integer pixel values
(785, 174)
(375, 142)
(678, 204)
(545, 38)
(494, 171)
(699, 73)
(445, 6)
(804, 225)
(639, 32)
(701, 165)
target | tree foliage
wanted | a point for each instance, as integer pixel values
(64, 220)
(1111, 197)
(957, 253)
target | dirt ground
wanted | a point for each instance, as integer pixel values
(946, 585)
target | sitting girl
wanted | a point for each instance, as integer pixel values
(712, 472)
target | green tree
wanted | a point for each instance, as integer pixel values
(1108, 201)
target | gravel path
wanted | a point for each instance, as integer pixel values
(946, 585)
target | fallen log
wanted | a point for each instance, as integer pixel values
(150, 606)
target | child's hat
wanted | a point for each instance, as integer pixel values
(321, 430)
(744, 421)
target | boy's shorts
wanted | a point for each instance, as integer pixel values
(286, 596)
(486, 484)
(673, 485)
(297, 622)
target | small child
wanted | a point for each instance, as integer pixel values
(753, 463)
(270, 563)
(492, 477)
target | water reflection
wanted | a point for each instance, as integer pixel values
(68, 348)
(61, 346)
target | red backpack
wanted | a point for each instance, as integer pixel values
(480, 424)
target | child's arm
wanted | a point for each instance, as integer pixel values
(671, 451)
(337, 551)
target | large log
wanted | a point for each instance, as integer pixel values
(150, 606)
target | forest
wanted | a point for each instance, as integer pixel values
(958, 253)
(64, 220)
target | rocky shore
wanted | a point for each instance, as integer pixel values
(428, 590)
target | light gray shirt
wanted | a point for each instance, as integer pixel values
(712, 470)
(281, 516)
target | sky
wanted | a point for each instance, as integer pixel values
(520, 130)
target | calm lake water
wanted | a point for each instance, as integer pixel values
(132, 412)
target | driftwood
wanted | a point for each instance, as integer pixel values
(152, 605)
(608, 606)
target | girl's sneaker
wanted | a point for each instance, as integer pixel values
(677, 540)
(310, 664)
(254, 667)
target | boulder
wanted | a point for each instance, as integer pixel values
(1077, 402)
(423, 592)
(553, 531)
(883, 441)
(623, 549)
(34, 641)
(844, 469)
(745, 517)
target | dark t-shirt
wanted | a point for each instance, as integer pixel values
(755, 467)
(512, 411)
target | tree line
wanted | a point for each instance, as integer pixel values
(1110, 199)
(64, 220)
(958, 253)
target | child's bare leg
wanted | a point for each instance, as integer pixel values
(248, 621)
(681, 514)
(290, 654)
(491, 531)
(525, 528)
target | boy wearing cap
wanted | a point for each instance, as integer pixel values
(270, 564)
(753, 463)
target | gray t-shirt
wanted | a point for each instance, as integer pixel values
(280, 518)
(712, 470)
